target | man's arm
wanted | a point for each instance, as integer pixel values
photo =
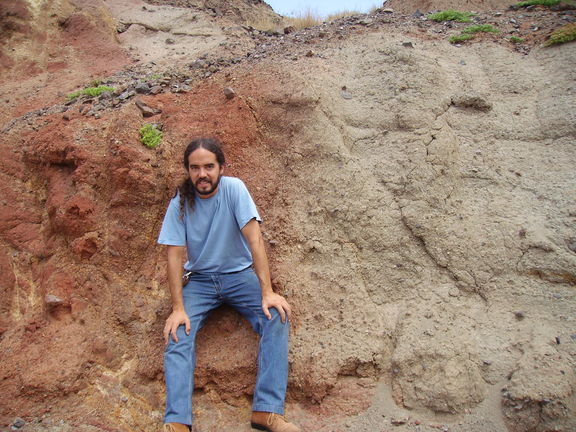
(253, 235)
(178, 315)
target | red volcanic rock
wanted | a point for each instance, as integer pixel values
(86, 246)
(72, 216)
(66, 43)
(22, 228)
(14, 19)
(97, 199)
(58, 286)
(20, 217)
(7, 282)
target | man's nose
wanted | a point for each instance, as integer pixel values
(202, 172)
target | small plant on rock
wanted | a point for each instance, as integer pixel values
(538, 3)
(460, 38)
(469, 32)
(150, 135)
(451, 15)
(562, 35)
(516, 39)
(480, 28)
(90, 91)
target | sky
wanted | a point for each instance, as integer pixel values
(321, 7)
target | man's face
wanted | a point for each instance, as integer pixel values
(204, 171)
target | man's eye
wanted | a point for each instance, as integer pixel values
(209, 166)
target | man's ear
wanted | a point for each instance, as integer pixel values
(221, 169)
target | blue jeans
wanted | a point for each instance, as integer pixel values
(202, 294)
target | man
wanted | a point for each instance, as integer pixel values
(213, 222)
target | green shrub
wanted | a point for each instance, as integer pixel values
(538, 3)
(562, 35)
(460, 38)
(451, 15)
(516, 39)
(90, 91)
(150, 136)
(480, 28)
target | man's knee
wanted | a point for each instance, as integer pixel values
(185, 341)
(275, 322)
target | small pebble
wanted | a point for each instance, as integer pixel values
(346, 95)
(398, 422)
(229, 93)
(18, 423)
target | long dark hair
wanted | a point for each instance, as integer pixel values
(186, 188)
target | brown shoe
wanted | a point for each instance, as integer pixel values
(271, 422)
(175, 427)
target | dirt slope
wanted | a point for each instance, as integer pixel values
(411, 6)
(418, 199)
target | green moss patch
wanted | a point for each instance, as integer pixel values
(538, 3)
(451, 15)
(460, 38)
(480, 28)
(469, 32)
(90, 91)
(562, 35)
(150, 136)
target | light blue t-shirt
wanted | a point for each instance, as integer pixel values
(211, 232)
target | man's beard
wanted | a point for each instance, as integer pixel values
(209, 191)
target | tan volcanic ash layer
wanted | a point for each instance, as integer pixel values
(419, 211)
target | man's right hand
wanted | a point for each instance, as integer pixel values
(175, 320)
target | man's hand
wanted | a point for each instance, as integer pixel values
(175, 320)
(273, 300)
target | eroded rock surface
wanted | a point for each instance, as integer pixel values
(418, 205)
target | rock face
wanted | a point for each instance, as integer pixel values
(418, 200)
(428, 220)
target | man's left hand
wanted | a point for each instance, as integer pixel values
(274, 300)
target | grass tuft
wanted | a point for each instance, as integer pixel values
(90, 91)
(150, 136)
(460, 38)
(301, 20)
(264, 24)
(516, 39)
(308, 18)
(451, 15)
(480, 28)
(342, 14)
(562, 35)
